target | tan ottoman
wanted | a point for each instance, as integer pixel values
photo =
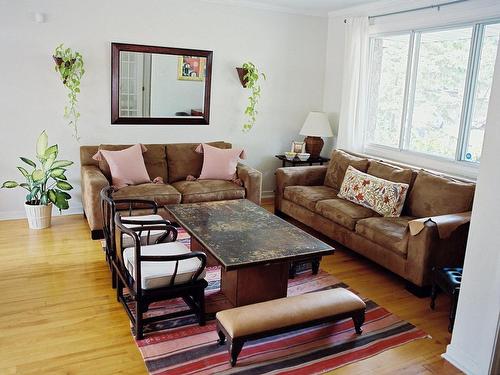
(274, 317)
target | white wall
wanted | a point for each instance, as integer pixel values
(290, 49)
(473, 338)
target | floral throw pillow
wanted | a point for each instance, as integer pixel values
(384, 197)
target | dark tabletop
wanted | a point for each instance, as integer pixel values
(239, 233)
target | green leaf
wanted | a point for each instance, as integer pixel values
(29, 162)
(41, 145)
(63, 193)
(61, 201)
(44, 199)
(52, 196)
(52, 150)
(37, 175)
(61, 163)
(10, 184)
(48, 163)
(24, 172)
(63, 185)
(57, 173)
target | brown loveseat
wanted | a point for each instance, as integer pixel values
(309, 195)
(172, 162)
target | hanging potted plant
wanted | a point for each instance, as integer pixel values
(249, 77)
(46, 184)
(69, 64)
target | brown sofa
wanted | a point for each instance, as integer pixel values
(172, 162)
(309, 195)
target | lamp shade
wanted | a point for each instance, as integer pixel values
(317, 125)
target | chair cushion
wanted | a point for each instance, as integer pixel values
(308, 196)
(284, 312)
(434, 195)
(183, 160)
(153, 235)
(158, 274)
(337, 167)
(382, 196)
(389, 232)
(209, 190)
(162, 194)
(343, 212)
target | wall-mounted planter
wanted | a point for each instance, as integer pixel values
(242, 73)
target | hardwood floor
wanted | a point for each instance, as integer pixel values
(59, 314)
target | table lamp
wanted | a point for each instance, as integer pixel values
(315, 127)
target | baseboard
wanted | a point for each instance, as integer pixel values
(21, 214)
(461, 360)
(268, 194)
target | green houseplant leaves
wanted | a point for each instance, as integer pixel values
(69, 64)
(46, 182)
(252, 82)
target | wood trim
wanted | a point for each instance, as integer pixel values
(116, 48)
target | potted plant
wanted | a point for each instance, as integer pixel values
(249, 77)
(69, 64)
(46, 184)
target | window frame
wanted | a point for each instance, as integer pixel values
(467, 167)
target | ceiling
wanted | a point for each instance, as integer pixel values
(311, 7)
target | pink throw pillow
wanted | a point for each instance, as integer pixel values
(219, 164)
(127, 166)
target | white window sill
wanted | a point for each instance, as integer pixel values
(460, 169)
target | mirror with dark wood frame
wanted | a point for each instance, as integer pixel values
(160, 85)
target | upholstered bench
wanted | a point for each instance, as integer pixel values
(274, 317)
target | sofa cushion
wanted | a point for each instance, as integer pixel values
(155, 160)
(126, 166)
(308, 196)
(382, 196)
(162, 194)
(183, 160)
(343, 212)
(390, 172)
(389, 232)
(434, 195)
(337, 167)
(209, 190)
(158, 274)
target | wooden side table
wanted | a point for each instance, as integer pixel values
(296, 161)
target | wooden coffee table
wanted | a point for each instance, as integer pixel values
(253, 247)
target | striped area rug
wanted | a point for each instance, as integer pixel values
(181, 346)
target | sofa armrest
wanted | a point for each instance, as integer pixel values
(93, 180)
(428, 249)
(303, 176)
(252, 181)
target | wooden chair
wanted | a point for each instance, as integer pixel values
(110, 206)
(158, 272)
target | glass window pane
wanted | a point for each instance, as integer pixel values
(482, 93)
(439, 91)
(386, 92)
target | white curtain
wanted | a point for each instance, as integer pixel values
(354, 85)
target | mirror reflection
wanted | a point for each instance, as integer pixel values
(161, 85)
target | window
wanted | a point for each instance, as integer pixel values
(429, 90)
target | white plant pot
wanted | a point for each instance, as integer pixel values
(39, 216)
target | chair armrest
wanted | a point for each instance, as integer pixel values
(303, 176)
(252, 181)
(446, 224)
(93, 181)
(170, 232)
